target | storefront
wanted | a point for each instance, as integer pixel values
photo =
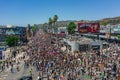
(105, 45)
(83, 47)
(95, 47)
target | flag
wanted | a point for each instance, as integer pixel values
(87, 76)
(105, 51)
(102, 75)
(81, 62)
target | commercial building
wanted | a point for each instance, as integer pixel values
(13, 31)
(108, 28)
(83, 44)
(62, 29)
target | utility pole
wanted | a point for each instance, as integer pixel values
(110, 32)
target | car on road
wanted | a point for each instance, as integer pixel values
(26, 78)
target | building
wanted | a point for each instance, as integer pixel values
(107, 28)
(62, 29)
(13, 31)
(76, 43)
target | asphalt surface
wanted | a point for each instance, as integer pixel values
(7, 75)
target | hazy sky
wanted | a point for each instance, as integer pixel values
(22, 12)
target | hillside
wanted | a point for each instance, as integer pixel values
(113, 21)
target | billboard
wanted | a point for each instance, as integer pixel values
(88, 27)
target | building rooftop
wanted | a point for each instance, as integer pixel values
(10, 26)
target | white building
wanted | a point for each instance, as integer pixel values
(62, 29)
(83, 44)
(114, 28)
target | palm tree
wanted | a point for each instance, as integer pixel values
(50, 23)
(29, 30)
(34, 29)
(55, 18)
(44, 27)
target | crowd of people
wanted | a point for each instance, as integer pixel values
(12, 61)
(50, 61)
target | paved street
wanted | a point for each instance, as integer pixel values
(7, 75)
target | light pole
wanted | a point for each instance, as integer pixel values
(110, 32)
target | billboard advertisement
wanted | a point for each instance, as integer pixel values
(88, 27)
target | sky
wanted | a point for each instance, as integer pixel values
(23, 12)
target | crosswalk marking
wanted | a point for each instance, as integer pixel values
(3, 76)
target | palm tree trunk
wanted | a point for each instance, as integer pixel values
(54, 27)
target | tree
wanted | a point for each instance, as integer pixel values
(71, 27)
(55, 18)
(103, 23)
(34, 29)
(44, 27)
(50, 23)
(12, 41)
(118, 36)
(29, 30)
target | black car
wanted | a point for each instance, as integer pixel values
(26, 78)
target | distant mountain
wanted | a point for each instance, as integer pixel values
(112, 21)
(65, 23)
(114, 18)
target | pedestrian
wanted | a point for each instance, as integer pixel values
(11, 70)
(31, 72)
(18, 68)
